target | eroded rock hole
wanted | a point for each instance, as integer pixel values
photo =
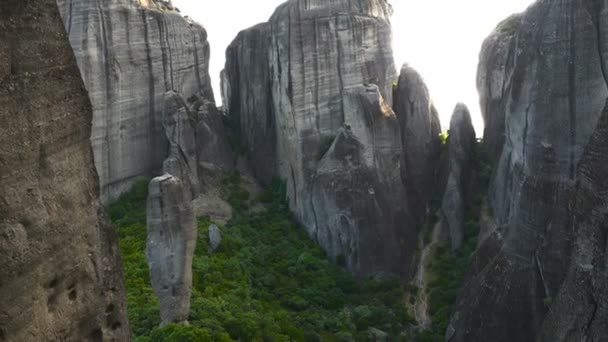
(73, 295)
(97, 335)
(53, 283)
(109, 308)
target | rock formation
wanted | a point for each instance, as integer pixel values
(461, 143)
(215, 237)
(420, 129)
(495, 62)
(358, 180)
(555, 92)
(580, 311)
(130, 53)
(311, 92)
(60, 272)
(172, 233)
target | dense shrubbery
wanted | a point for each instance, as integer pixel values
(267, 280)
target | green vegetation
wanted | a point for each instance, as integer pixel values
(444, 137)
(325, 145)
(266, 282)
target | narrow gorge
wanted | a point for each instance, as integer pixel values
(322, 199)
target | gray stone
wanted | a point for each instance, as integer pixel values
(171, 242)
(215, 237)
(60, 273)
(294, 86)
(554, 94)
(357, 190)
(495, 61)
(420, 128)
(180, 129)
(130, 53)
(461, 143)
(580, 311)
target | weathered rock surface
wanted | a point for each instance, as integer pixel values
(461, 143)
(129, 56)
(172, 233)
(495, 64)
(294, 85)
(359, 180)
(60, 272)
(198, 153)
(580, 312)
(420, 128)
(554, 96)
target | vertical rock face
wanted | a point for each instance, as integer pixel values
(492, 80)
(460, 147)
(580, 312)
(420, 129)
(554, 96)
(170, 246)
(311, 91)
(197, 149)
(129, 56)
(61, 278)
(357, 190)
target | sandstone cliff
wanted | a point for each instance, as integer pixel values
(311, 92)
(130, 53)
(554, 94)
(60, 273)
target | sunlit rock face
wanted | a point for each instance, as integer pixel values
(493, 74)
(60, 272)
(555, 92)
(130, 53)
(312, 91)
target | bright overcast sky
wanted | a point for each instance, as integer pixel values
(440, 38)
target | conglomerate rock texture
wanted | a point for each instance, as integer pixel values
(294, 86)
(60, 272)
(129, 56)
(554, 95)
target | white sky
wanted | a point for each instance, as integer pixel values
(440, 38)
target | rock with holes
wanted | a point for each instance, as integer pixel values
(60, 272)
(130, 53)
(554, 95)
(461, 143)
(170, 246)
